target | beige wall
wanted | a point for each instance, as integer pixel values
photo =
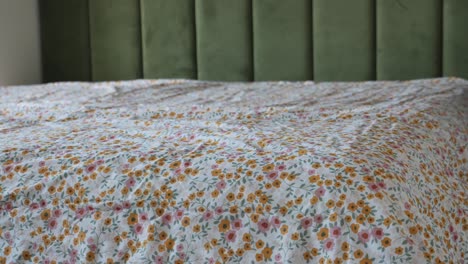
(20, 60)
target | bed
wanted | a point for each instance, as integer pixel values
(188, 171)
(220, 131)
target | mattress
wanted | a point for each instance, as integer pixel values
(174, 171)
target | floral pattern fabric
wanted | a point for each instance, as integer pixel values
(176, 171)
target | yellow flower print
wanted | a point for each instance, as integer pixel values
(90, 256)
(355, 228)
(358, 254)
(386, 242)
(169, 244)
(330, 203)
(224, 225)
(322, 234)
(314, 252)
(295, 236)
(268, 167)
(345, 246)
(314, 200)
(132, 219)
(267, 252)
(97, 215)
(45, 215)
(399, 250)
(260, 244)
(7, 251)
(258, 257)
(365, 261)
(186, 221)
(26, 255)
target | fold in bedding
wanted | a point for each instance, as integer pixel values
(174, 171)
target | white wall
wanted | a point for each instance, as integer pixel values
(20, 58)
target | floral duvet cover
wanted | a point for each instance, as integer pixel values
(176, 171)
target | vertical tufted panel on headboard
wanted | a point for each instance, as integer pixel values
(282, 33)
(65, 40)
(254, 40)
(456, 38)
(344, 40)
(115, 39)
(224, 40)
(168, 31)
(409, 38)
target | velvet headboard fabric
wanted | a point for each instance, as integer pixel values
(254, 40)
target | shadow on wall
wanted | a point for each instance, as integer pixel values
(20, 57)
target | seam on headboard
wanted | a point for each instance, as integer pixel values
(90, 56)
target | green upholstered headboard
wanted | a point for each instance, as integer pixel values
(254, 40)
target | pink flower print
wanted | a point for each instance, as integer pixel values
(221, 185)
(139, 228)
(275, 221)
(335, 232)
(318, 218)
(281, 167)
(207, 215)
(320, 192)
(144, 217)
(179, 214)
(377, 233)
(9, 206)
(167, 219)
(90, 240)
(382, 185)
(80, 212)
(306, 222)
(277, 257)
(329, 244)
(263, 225)
(237, 224)
(180, 247)
(34, 206)
(231, 236)
(53, 224)
(407, 206)
(311, 172)
(57, 213)
(126, 205)
(42, 163)
(93, 247)
(8, 169)
(159, 260)
(118, 208)
(272, 175)
(74, 253)
(364, 236)
(182, 255)
(130, 182)
(90, 168)
(187, 164)
(100, 162)
(219, 210)
(455, 236)
(43, 203)
(373, 187)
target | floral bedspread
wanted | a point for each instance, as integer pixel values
(176, 171)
